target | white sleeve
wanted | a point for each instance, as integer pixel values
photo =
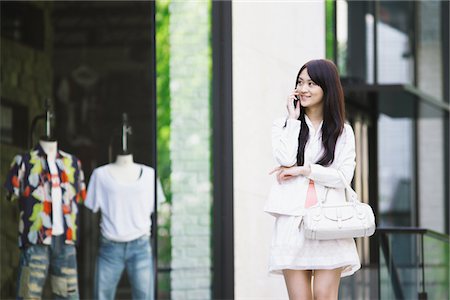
(285, 141)
(92, 200)
(345, 162)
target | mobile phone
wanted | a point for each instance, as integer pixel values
(296, 101)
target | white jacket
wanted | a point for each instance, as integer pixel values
(288, 198)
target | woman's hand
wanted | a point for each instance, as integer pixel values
(287, 173)
(294, 112)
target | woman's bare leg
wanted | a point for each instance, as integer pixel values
(298, 283)
(326, 284)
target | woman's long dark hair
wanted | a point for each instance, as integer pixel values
(325, 74)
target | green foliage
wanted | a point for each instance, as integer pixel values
(329, 25)
(163, 94)
(163, 138)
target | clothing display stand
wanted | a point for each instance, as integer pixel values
(124, 192)
(126, 130)
(48, 185)
(48, 115)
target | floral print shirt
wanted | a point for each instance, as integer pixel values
(29, 181)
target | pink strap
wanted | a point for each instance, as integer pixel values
(311, 196)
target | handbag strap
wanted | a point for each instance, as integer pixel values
(348, 189)
(344, 181)
(347, 186)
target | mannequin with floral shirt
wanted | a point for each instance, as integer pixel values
(48, 185)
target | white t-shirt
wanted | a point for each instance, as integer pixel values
(57, 212)
(125, 207)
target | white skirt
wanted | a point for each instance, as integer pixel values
(290, 249)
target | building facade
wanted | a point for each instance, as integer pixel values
(201, 82)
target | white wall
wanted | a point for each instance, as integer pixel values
(271, 41)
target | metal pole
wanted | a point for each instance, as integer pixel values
(124, 132)
(48, 117)
(422, 295)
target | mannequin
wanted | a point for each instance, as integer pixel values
(48, 184)
(124, 193)
(124, 169)
(50, 148)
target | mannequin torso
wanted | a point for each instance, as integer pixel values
(124, 169)
(50, 148)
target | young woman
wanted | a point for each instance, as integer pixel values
(311, 145)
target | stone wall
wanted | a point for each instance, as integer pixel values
(190, 67)
(26, 79)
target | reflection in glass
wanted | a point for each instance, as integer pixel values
(429, 46)
(414, 264)
(400, 269)
(431, 133)
(395, 169)
(431, 158)
(437, 267)
(370, 55)
(395, 52)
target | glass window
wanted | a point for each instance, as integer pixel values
(432, 175)
(395, 171)
(395, 42)
(354, 40)
(431, 131)
(94, 60)
(406, 37)
(429, 49)
(100, 72)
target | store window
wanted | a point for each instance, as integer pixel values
(93, 60)
(99, 60)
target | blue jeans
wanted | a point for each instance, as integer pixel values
(35, 260)
(113, 257)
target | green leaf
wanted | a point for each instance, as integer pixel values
(35, 218)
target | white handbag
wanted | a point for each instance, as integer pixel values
(349, 219)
